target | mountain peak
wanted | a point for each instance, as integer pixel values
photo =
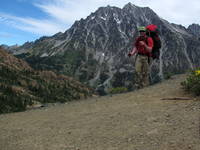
(194, 25)
(137, 10)
(194, 29)
(129, 5)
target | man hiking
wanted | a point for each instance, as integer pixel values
(142, 47)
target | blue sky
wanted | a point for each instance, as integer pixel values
(28, 20)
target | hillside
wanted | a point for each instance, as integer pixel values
(137, 120)
(22, 87)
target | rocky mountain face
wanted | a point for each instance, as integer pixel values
(94, 50)
(11, 49)
(194, 29)
(22, 87)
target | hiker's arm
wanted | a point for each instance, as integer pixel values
(134, 50)
(148, 47)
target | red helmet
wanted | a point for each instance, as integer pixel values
(151, 27)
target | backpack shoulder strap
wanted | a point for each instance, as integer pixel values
(151, 42)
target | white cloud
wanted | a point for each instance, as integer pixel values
(176, 11)
(68, 11)
(36, 26)
(6, 35)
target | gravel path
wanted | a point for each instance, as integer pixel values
(137, 120)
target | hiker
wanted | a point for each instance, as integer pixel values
(142, 48)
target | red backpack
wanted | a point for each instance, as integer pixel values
(152, 31)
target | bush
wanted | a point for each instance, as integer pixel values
(168, 75)
(192, 82)
(118, 90)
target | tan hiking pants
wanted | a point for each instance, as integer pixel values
(142, 68)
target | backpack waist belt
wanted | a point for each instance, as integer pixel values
(142, 54)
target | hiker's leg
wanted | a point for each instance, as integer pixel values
(138, 69)
(145, 71)
(150, 63)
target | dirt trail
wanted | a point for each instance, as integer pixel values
(137, 120)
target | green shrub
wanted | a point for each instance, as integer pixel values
(168, 75)
(192, 82)
(118, 90)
